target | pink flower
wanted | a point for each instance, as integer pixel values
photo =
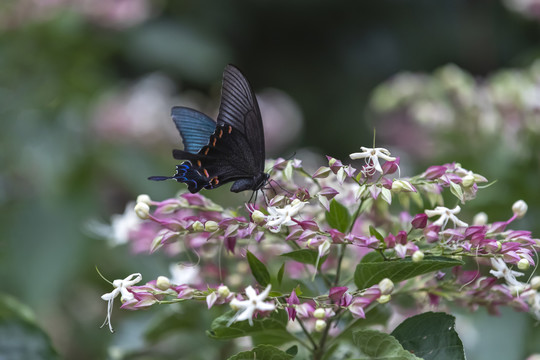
(390, 167)
(292, 301)
(336, 293)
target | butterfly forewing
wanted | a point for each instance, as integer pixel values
(239, 108)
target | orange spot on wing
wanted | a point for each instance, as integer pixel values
(199, 163)
(206, 173)
(230, 129)
(220, 133)
(214, 142)
(206, 151)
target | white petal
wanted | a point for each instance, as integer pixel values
(265, 293)
(266, 306)
(251, 293)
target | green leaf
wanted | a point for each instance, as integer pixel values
(262, 352)
(338, 217)
(374, 232)
(431, 336)
(271, 328)
(378, 315)
(20, 336)
(378, 345)
(258, 269)
(280, 274)
(293, 350)
(304, 256)
(370, 273)
(373, 256)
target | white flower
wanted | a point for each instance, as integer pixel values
(283, 217)
(120, 288)
(184, 274)
(246, 308)
(501, 270)
(121, 225)
(372, 155)
(445, 215)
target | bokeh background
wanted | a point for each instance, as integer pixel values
(86, 87)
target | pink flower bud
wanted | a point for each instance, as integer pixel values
(336, 293)
(390, 241)
(419, 221)
(401, 237)
(434, 172)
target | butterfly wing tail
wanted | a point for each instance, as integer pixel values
(186, 174)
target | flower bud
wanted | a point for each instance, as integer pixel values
(417, 256)
(223, 291)
(163, 283)
(402, 186)
(535, 282)
(468, 180)
(480, 219)
(142, 210)
(320, 325)
(383, 299)
(319, 313)
(523, 264)
(211, 226)
(386, 286)
(258, 217)
(197, 226)
(520, 208)
(143, 198)
(419, 221)
(401, 237)
(322, 172)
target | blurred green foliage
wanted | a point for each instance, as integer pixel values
(58, 62)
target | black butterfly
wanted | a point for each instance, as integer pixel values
(231, 149)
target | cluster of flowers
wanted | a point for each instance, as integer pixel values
(335, 217)
(502, 107)
(116, 14)
(527, 8)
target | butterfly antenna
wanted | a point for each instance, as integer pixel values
(292, 156)
(281, 187)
